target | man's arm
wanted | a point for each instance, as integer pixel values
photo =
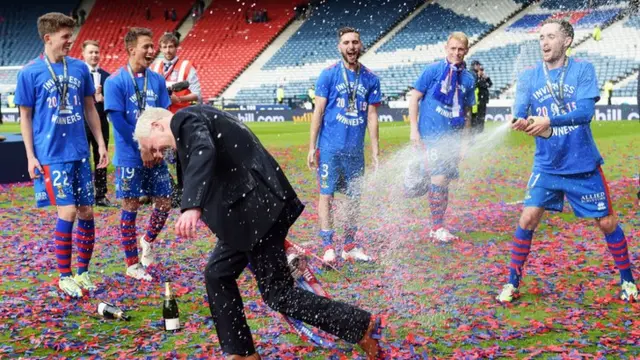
(522, 101)
(581, 115)
(93, 119)
(26, 129)
(121, 126)
(372, 126)
(414, 101)
(194, 87)
(316, 121)
(468, 115)
(199, 171)
(197, 175)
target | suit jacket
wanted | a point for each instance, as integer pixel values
(100, 105)
(231, 177)
(483, 85)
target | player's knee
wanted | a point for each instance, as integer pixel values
(529, 220)
(67, 213)
(275, 296)
(163, 204)
(131, 204)
(85, 212)
(607, 224)
(212, 277)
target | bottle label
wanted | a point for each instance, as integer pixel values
(101, 308)
(172, 324)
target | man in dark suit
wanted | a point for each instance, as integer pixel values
(239, 191)
(483, 83)
(91, 55)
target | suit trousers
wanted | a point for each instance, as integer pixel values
(269, 264)
(100, 175)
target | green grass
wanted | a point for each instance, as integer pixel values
(446, 286)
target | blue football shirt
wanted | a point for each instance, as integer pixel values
(434, 116)
(58, 134)
(120, 96)
(342, 131)
(571, 149)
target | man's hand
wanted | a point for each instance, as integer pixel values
(540, 124)
(520, 124)
(174, 99)
(98, 95)
(32, 165)
(464, 148)
(104, 158)
(311, 159)
(186, 225)
(374, 160)
(414, 136)
(148, 159)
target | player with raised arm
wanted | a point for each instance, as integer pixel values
(562, 92)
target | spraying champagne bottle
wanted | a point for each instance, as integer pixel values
(109, 311)
(545, 135)
(170, 311)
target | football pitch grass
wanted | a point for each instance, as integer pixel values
(438, 298)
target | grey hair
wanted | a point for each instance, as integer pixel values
(148, 116)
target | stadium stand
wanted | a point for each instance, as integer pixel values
(108, 24)
(432, 26)
(399, 61)
(19, 40)
(9, 76)
(315, 41)
(222, 43)
(518, 46)
(629, 90)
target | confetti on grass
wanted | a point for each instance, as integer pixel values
(438, 298)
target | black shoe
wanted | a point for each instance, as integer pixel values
(103, 202)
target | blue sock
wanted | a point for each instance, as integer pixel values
(327, 238)
(85, 239)
(520, 247)
(62, 239)
(438, 201)
(128, 237)
(617, 244)
(349, 237)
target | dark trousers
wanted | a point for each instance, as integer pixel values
(477, 120)
(269, 264)
(100, 175)
(176, 192)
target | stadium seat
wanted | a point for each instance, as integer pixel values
(315, 41)
(108, 24)
(402, 57)
(629, 90)
(222, 43)
(19, 39)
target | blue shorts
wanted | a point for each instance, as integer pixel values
(339, 172)
(134, 182)
(588, 193)
(64, 184)
(442, 157)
